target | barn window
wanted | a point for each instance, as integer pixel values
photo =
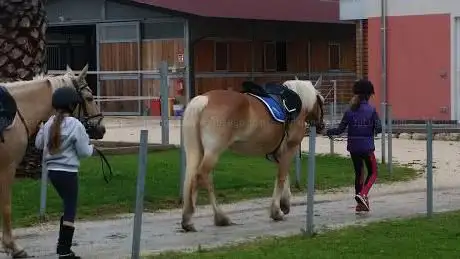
(221, 56)
(275, 56)
(334, 56)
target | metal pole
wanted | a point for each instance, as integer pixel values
(429, 168)
(43, 191)
(331, 139)
(164, 98)
(142, 168)
(298, 166)
(383, 45)
(311, 181)
(383, 133)
(390, 141)
(187, 81)
(334, 108)
(182, 161)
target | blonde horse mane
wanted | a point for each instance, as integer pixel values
(306, 91)
(56, 81)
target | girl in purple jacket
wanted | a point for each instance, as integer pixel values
(363, 124)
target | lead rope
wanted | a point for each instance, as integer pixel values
(104, 160)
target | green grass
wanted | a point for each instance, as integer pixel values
(410, 238)
(236, 177)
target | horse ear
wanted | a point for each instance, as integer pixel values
(319, 81)
(83, 73)
(69, 70)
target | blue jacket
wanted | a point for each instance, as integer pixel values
(362, 124)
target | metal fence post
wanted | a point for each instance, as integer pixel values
(429, 168)
(384, 108)
(298, 166)
(311, 181)
(164, 99)
(142, 168)
(43, 192)
(334, 107)
(390, 141)
(331, 139)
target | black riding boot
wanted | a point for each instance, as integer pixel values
(65, 242)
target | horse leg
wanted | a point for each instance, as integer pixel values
(8, 242)
(190, 191)
(282, 188)
(205, 179)
(285, 202)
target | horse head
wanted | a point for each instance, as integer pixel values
(317, 113)
(88, 111)
(312, 101)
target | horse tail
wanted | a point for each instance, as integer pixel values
(193, 146)
(191, 124)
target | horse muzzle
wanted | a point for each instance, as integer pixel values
(95, 130)
(320, 127)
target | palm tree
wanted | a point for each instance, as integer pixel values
(23, 26)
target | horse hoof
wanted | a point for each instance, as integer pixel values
(278, 216)
(188, 227)
(20, 254)
(285, 207)
(222, 220)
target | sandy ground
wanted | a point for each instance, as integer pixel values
(112, 238)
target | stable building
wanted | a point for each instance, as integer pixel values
(207, 45)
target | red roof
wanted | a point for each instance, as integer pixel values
(282, 10)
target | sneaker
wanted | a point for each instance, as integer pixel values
(360, 207)
(360, 199)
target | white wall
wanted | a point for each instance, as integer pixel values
(363, 9)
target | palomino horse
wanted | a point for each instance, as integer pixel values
(223, 119)
(25, 104)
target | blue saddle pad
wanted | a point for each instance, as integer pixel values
(275, 109)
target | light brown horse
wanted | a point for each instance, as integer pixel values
(221, 119)
(33, 100)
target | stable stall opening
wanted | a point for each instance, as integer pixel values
(74, 46)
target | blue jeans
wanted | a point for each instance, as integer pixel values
(66, 185)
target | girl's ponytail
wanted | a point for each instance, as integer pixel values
(54, 142)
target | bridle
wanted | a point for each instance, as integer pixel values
(83, 116)
(318, 122)
(82, 111)
(321, 107)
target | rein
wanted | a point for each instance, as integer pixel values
(104, 160)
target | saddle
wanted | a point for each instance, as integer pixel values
(282, 103)
(8, 110)
(282, 96)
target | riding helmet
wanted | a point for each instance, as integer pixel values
(363, 86)
(65, 98)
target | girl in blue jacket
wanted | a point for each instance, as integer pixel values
(363, 124)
